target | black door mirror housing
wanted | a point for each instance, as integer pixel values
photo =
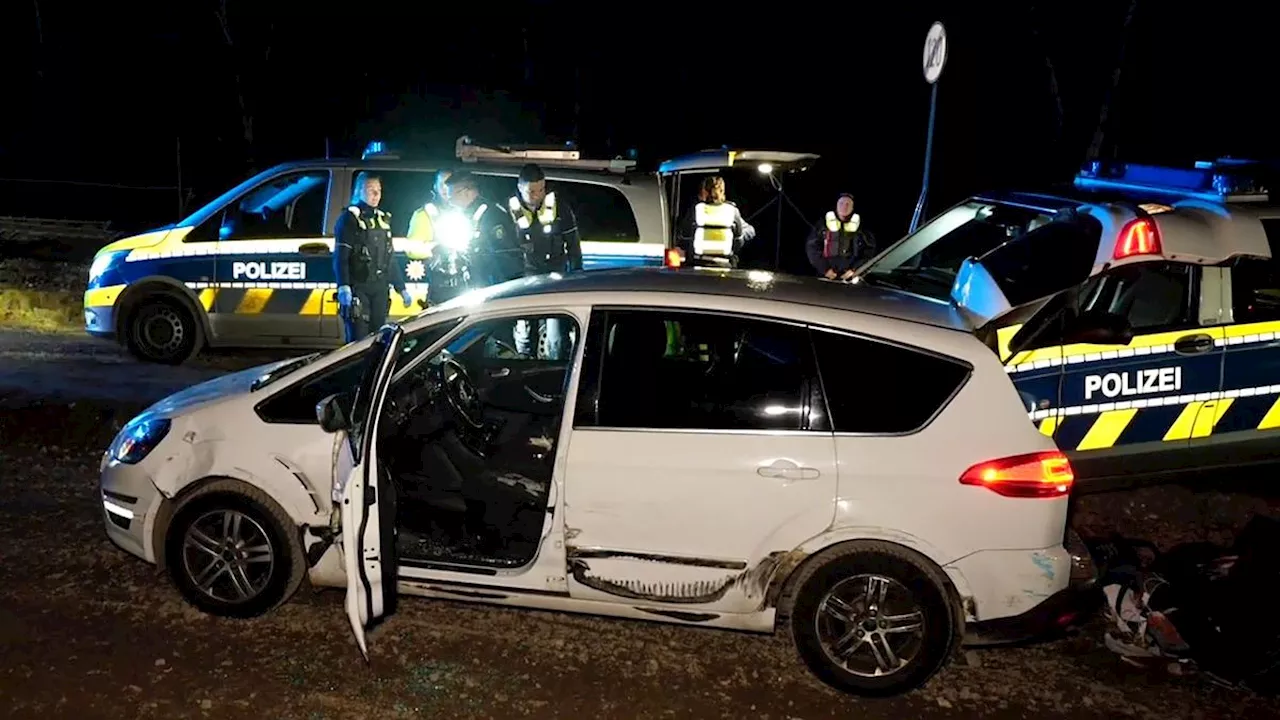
(331, 414)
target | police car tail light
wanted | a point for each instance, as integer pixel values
(1139, 236)
(1036, 475)
(674, 258)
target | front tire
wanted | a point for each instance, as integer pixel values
(873, 619)
(163, 330)
(230, 551)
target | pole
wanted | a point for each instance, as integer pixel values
(177, 155)
(777, 244)
(928, 156)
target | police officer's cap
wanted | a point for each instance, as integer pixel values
(461, 179)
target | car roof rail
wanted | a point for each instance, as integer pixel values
(559, 156)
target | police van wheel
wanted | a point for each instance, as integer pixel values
(163, 330)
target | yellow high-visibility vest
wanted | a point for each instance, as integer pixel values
(850, 225)
(713, 233)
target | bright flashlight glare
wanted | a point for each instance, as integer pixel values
(765, 168)
(454, 231)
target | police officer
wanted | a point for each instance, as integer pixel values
(548, 232)
(495, 248)
(716, 225)
(363, 261)
(837, 244)
(421, 223)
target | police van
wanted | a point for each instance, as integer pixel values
(1137, 311)
(253, 268)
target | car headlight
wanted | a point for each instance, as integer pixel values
(101, 263)
(454, 231)
(138, 438)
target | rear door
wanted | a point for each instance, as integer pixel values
(368, 505)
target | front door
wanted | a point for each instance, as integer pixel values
(699, 456)
(273, 262)
(367, 502)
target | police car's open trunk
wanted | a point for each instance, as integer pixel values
(1016, 281)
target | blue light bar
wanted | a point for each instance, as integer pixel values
(1225, 180)
(375, 148)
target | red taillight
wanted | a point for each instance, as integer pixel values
(1037, 475)
(674, 258)
(1138, 237)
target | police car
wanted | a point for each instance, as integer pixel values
(1136, 311)
(709, 484)
(253, 268)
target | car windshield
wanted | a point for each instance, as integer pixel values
(926, 262)
(283, 370)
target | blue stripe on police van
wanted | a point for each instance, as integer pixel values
(1154, 402)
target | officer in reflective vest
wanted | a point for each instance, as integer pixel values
(364, 263)
(837, 244)
(548, 232)
(422, 222)
(494, 248)
(718, 228)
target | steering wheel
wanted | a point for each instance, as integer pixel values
(461, 393)
(507, 348)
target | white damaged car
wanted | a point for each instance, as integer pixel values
(695, 446)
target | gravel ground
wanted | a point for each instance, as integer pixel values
(90, 631)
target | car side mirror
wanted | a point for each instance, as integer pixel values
(1099, 329)
(330, 413)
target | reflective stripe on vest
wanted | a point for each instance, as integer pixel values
(378, 221)
(524, 218)
(714, 228)
(850, 225)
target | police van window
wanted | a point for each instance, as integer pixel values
(604, 214)
(403, 192)
(290, 206)
(1255, 283)
(926, 262)
(1153, 297)
(909, 387)
(700, 371)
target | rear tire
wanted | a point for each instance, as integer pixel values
(233, 552)
(872, 619)
(163, 330)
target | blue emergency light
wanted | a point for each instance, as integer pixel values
(1223, 180)
(378, 150)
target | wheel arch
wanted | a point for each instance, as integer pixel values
(785, 584)
(158, 285)
(170, 504)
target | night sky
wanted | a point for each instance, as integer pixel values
(104, 95)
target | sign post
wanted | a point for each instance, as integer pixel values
(935, 57)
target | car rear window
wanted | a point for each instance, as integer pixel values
(1045, 261)
(874, 387)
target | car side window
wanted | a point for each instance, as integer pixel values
(289, 206)
(1255, 283)
(604, 214)
(696, 371)
(1154, 297)
(909, 389)
(296, 405)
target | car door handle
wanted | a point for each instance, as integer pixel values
(1193, 344)
(313, 249)
(500, 373)
(787, 470)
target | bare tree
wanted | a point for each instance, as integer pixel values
(246, 117)
(1099, 131)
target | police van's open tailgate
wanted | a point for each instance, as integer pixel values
(1024, 274)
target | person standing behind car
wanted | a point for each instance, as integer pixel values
(837, 244)
(364, 260)
(548, 232)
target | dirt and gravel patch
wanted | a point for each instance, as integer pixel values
(41, 295)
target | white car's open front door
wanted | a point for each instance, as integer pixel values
(367, 503)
